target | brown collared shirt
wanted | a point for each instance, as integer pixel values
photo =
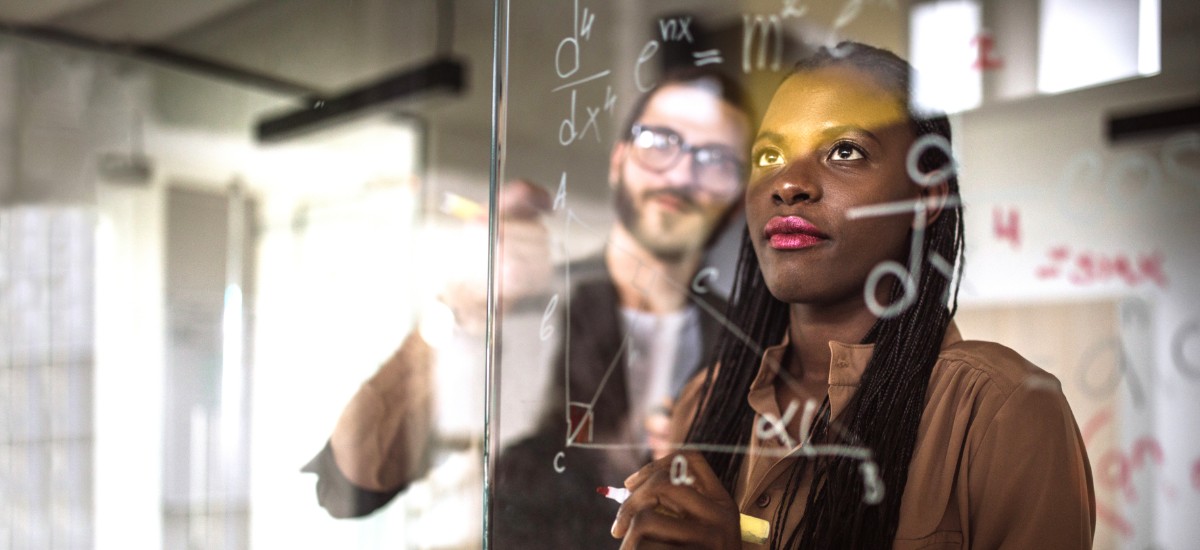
(999, 461)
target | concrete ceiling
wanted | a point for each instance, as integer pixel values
(317, 44)
(120, 20)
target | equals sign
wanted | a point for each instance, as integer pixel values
(707, 57)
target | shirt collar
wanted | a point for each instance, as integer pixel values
(847, 363)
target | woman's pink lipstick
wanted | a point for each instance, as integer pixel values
(792, 233)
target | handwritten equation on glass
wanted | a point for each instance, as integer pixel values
(581, 120)
(586, 121)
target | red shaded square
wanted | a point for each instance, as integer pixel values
(580, 430)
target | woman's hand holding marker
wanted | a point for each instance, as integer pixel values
(678, 499)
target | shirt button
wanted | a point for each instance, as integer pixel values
(763, 500)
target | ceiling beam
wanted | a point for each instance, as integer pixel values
(437, 77)
(164, 56)
(1157, 122)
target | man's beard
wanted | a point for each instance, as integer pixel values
(629, 214)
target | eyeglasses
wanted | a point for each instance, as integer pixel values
(717, 168)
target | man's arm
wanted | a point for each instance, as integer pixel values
(381, 442)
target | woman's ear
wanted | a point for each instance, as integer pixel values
(616, 161)
(935, 198)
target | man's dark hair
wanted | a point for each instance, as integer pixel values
(718, 83)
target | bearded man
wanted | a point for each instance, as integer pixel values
(638, 331)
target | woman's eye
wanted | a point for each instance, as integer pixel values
(846, 151)
(769, 157)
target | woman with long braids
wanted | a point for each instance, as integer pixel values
(846, 409)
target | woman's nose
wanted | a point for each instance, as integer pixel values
(790, 190)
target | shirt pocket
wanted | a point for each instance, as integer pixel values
(938, 540)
